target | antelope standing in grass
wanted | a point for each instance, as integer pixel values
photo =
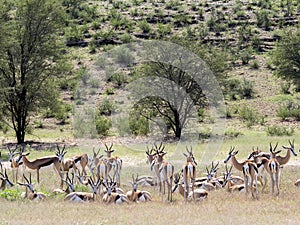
(272, 166)
(114, 164)
(30, 193)
(248, 168)
(136, 195)
(164, 172)
(83, 160)
(150, 160)
(197, 195)
(113, 197)
(85, 196)
(38, 163)
(282, 160)
(5, 180)
(250, 172)
(189, 172)
(15, 160)
(66, 164)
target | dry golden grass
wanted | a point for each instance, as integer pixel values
(221, 207)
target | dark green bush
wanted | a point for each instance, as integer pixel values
(279, 130)
(106, 108)
(103, 124)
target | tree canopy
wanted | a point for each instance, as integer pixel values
(286, 57)
(177, 93)
(30, 59)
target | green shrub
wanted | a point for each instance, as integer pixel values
(4, 127)
(138, 125)
(204, 134)
(248, 115)
(163, 29)
(144, 26)
(246, 55)
(263, 20)
(232, 133)
(277, 130)
(106, 108)
(254, 64)
(110, 91)
(119, 79)
(236, 89)
(285, 87)
(289, 110)
(11, 195)
(123, 55)
(201, 114)
(126, 38)
(103, 124)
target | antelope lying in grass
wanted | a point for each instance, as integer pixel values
(15, 159)
(230, 184)
(70, 186)
(30, 193)
(136, 195)
(198, 194)
(145, 181)
(5, 180)
(112, 197)
(85, 196)
(82, 178)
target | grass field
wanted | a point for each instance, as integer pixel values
(221, 207)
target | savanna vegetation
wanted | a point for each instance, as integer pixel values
(65, 72)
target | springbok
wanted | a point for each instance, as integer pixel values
(197, 195)
(150, 159)
(38, 163)
(66, 164)
(282, 160)
(114, 164)
(164, 172)
(228, 182)
(85, 196)
(272, 166)
(189, 172)
(70, 186)
(113, 197)
(30, 193)
(82, 178)
(5, 180)
(15, 160)
(249, 169)
(136, 195)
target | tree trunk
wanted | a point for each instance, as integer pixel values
(178, 128)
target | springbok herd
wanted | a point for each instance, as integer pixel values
(103, 176)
